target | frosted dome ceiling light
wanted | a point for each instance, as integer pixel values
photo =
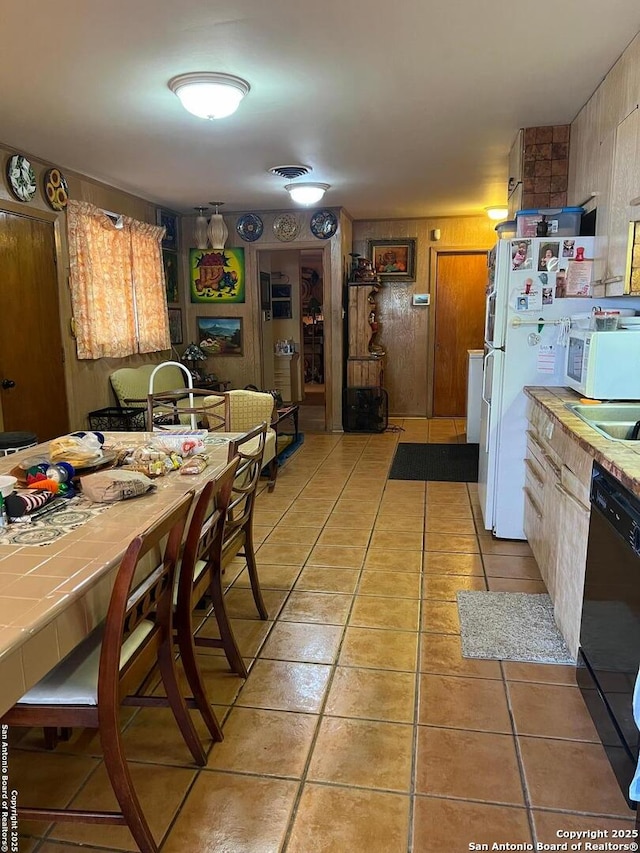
(209, 94)
(306, 193)
(497, 212)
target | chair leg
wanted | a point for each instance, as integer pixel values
(120, 778)
(166, 663)
(229, 644)
(273, 473)
(252, 568)
(192, 671)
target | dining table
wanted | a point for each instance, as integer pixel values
(53, 595)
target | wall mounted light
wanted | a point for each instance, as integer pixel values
(497, 213)
(209, 94)
(307, 192)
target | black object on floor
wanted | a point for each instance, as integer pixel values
(454, 463)
(365, 409)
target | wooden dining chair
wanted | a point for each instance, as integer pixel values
(87, 688)
(200, 574)
(238, 534)
(175, 408)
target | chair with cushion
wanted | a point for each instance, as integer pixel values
(200, 573)
(238, 533)
(88, 687)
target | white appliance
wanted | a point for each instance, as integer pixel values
(604, 365)
(523, 346)
(474, 394)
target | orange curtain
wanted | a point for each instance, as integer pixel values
(101, 283)
(149, 286)
(117, 284)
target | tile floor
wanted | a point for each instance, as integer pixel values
(360, 727)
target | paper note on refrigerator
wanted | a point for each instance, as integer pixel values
(546, 361)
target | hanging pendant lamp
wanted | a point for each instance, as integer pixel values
(217, 230)
(200, 228)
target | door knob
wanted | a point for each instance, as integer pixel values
(8, 383)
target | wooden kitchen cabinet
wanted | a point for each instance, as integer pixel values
(557, 511)
(625, 188)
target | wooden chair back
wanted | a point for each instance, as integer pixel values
(173, 406)
(249, 448)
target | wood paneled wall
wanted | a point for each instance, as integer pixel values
(405, 328)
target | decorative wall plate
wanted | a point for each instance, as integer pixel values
(21, 177)
(249, 227)
(285, 227)
(323, 224)
(56, 191)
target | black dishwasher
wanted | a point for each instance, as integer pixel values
(610, 628)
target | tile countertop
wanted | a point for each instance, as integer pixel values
(54, 595)
(622, 460)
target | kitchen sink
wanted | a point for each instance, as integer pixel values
(612, 420)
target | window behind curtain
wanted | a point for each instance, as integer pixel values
(117, 284)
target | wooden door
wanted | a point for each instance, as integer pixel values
(32, 383)
(461, 281)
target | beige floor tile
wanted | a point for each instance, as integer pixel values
(358, 520)
(392, 584)
(393, 561)
(325, 579)
(372, 694)
(294, 518)
(266, 518)
(552, 711)
(406, 507)
(260, 533)
(240, 604)
(60, 848)
(285, 534)
(393, 522)
(283, 686)
(463, 703)
(360, 821)
(547, 825)
(443, 511)
(451, 825)
(439, 563)
(221, 684)
(452, 543)
(461, 526)
(304, 642)
(271, 577)
(508, 547)
(322, 607)
(470, 765)
(445, 587)
(516, 585)
(337, 556)
(362, 753)
(288, 555)
(379, 649)
(539, 672)
(313, 509)
(524, 568)
(440, 617)
(153, 736)
(444, 490)
(265, 743)
(347, 537)
(234, 814)
(402, 540)
(442, 654)
(160, 792)
(379, 612)
(591, 789)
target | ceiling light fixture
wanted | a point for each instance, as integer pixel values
(209, 94)
(306, 193)
(218, 231)
(497, 212)
(200, 229)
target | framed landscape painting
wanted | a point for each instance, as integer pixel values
(394, 259)
(217, 275)
(220, 335)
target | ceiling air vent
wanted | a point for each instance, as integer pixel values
(290, 172)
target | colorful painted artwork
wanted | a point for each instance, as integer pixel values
(220, 335)
(170, 264)
(217, 275)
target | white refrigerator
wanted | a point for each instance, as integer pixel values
(534, 283)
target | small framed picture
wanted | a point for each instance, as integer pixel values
(265, 291)
(220, 335)
(281, 291)
(281, 309)
(169, 221)
(175, 325)
(421, 299)
(170, 264)
(394, 259)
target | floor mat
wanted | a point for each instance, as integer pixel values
(290, 447)
(510, 626)
(455, 463)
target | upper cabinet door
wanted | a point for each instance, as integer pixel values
(625, 188)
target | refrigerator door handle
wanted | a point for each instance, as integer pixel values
(485, 360)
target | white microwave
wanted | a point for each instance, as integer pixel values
(604, 365)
